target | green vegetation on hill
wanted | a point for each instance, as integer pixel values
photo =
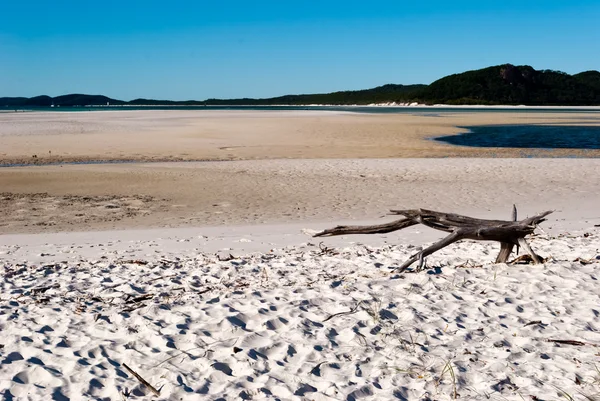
(72, 100)
(589, 78)
(498, 85)
(82, 100)
(514, 85)
(380, 94)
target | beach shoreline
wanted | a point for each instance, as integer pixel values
(120, 196)
(339, 165)
(180, 135)
(205, 279)
(413, 105)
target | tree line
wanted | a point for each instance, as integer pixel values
(497, 85)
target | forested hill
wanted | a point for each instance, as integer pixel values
(65, 100)
(499, 85)
(380, 94)
(514, 85)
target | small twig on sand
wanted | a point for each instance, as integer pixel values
(136, 302)
(205, 345)
(204, 291)
(181, 353)
(132, 308)
(523, 259)
(344, 313)
(570, 342)
(40, 290)
(468, 264)
(325, 250)
(533, 322)
(141, 298)
(225, 258)
(141, 379)
(584, 261)
(135, 262)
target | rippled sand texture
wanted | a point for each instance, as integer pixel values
(303, 323)
(79, 198)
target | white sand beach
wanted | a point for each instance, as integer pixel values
(301, 321)
(204, 277)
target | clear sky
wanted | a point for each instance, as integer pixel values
(202, 49)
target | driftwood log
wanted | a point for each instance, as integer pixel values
(508, 233)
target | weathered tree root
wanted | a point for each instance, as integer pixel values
(508, 233)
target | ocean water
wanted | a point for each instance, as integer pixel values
(528, 136)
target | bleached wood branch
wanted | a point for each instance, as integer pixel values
(508, 233)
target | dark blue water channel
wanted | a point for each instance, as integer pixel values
(527, 136)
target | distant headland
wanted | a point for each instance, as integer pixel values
(497, 85)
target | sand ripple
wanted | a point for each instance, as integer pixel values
(303, 323)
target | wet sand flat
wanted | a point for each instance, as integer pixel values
(118, 196)
(174, 135)
(269, 167)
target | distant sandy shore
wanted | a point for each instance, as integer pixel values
(348, 166)
(175, 135)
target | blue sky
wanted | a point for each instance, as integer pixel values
(228, 49)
